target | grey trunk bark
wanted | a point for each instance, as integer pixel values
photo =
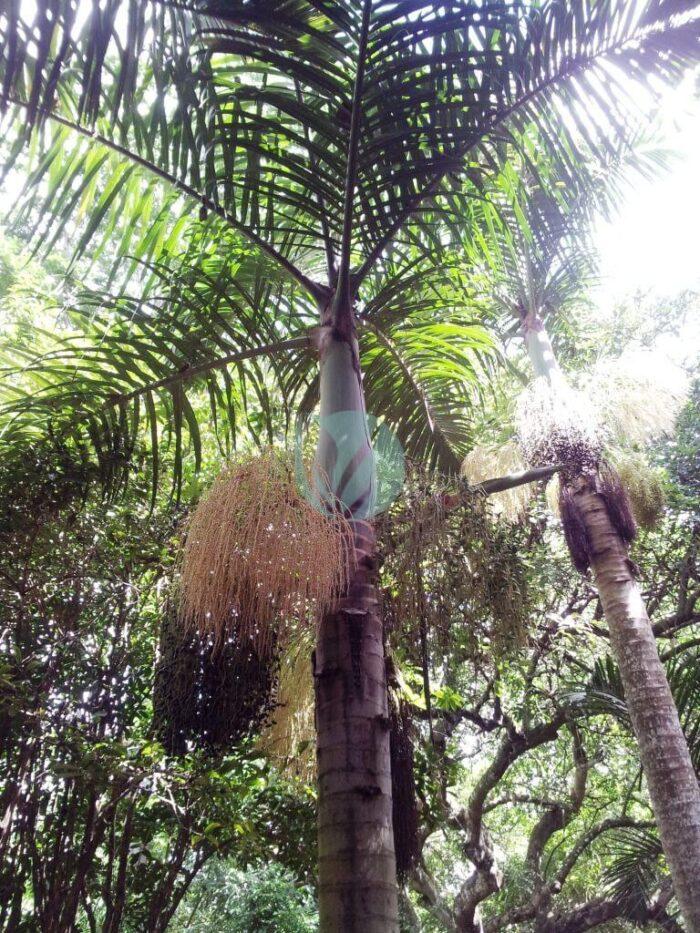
(673, 785)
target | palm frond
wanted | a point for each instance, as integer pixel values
(604, 694)
(146, 372)
(485, 77)
(250, 105)
(427, 355)
(530, 244)
(425, 378)
(633, 874)
(310, 131)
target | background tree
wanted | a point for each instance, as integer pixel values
(101, 828)
(99, 825)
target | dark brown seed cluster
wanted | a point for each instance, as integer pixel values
(208, 695)
(574, 529)
(403, 788)
(610, 487)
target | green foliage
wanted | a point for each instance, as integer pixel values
(604, 694)
(76, 670)
(264, 900)
(119, 829)
(278, 170)
(682, 454)
(600, 843)
(123, 121)
(632, 875)
(199, 160)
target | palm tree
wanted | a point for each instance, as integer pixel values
(599, 527)
(558, 427)
(330, 147)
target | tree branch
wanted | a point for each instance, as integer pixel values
(669, 626)
(590, 836)
(512, 747)
(679, 649)
(425, 888)
(499, 484)
(485, 879)
(598, 911)
(502, 483)
(559, 815)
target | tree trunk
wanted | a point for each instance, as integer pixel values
(357, 873)
(673, 785)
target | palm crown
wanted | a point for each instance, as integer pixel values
(250, 163)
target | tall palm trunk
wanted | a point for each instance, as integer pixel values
(357, 873)
(663, 751)
(673, 785)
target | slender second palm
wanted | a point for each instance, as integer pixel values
(541, 281)
(602, 542)
(339, 141)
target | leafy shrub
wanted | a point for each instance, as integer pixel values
(267, 899)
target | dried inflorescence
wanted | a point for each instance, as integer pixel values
(259, 556)
(455, 567)
(505, 459)
(207, 694)
(288, 739)
(551, 495)
(403, 788)
(645, 488)
(638, 396)
(557, 425)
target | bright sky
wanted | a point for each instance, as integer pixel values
(654, 242)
